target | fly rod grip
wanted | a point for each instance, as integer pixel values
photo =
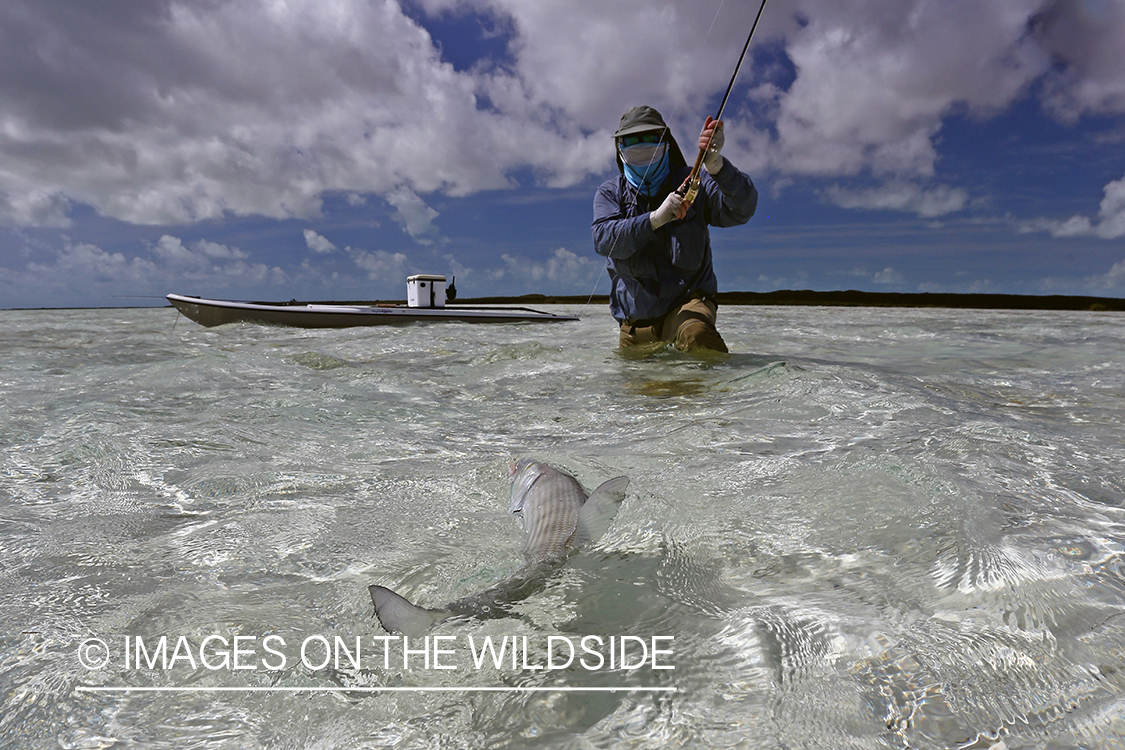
(690, 188)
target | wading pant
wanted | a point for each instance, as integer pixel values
(689, 326)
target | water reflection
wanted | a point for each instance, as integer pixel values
(863, 529)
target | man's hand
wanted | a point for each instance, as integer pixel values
(672, 209)
(713, 130)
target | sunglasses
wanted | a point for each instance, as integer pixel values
(632, 140)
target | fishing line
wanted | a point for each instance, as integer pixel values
(675, 111)
(691, 189)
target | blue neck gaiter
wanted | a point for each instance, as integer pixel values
(648, 178)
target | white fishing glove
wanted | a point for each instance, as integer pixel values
(713, 160)
(671, 209)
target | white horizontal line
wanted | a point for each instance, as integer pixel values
(258, 689)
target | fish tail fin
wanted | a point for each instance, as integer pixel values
(599, 509)
(397, 615)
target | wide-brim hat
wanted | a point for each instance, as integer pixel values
(640, 119)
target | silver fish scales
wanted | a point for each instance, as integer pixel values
(559, 518)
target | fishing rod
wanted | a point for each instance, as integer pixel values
(690, 188)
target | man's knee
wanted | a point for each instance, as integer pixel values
(696, 333)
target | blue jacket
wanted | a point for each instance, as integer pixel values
(651, 271)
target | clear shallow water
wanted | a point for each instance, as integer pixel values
(866, 528)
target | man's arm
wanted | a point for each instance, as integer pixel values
(616, 235)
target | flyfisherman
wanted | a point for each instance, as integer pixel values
(657, 247)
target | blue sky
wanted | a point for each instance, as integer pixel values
(325, 149)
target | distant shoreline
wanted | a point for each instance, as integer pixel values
(783, 298)
(851, 298)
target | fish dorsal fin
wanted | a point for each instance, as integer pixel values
(599, 509)
(519, 499)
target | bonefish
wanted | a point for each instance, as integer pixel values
(559, 518)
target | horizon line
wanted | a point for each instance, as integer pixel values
(1052, 301)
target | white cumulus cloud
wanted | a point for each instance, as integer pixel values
(203, 254)
(36, 207)
(379, 264)
(186, 110)
(85, 274)
(318, 243)
(1113, 280)
(567, 271)
(171, 112)
(888, 276)
(1085, 39)
(929, 201)
(1109, 223)
(415, 217)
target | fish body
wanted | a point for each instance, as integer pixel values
(559, 518)
(550, 503)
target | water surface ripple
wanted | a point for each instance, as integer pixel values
(864, 529)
